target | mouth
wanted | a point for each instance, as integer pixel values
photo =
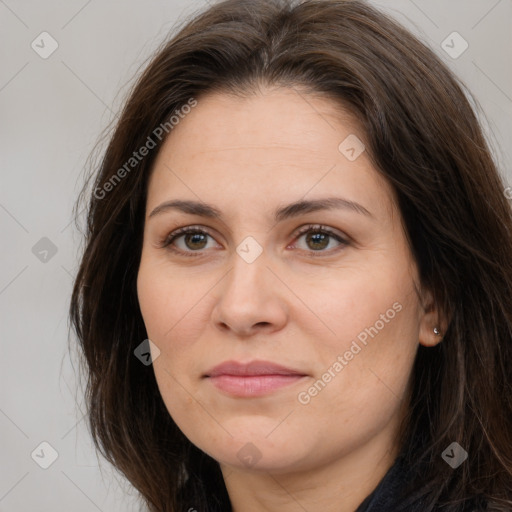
(253, 379)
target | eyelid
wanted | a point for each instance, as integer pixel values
(320, 228)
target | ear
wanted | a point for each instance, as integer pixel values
(431, 320)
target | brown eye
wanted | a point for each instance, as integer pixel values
(317, 239)
(194, 241)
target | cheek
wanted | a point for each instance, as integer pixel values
(167, 311)
(361, 387)
(151, 295)
(167, 301)
(366, 364)
(173, 310)
(374, 307)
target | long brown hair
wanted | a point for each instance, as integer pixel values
(422, 135)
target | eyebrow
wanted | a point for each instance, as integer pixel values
(292, 210)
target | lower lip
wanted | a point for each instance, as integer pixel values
(253, 385)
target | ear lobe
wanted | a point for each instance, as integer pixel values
(433, 322)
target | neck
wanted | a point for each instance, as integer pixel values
(339, 485)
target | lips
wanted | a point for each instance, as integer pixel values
(254, 368)
(253, 379)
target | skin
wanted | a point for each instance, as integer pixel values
(293, 305)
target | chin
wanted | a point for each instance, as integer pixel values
(259, 453)
(257, 458)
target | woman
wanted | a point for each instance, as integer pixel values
(299, 223)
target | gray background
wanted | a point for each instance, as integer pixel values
(52, 113)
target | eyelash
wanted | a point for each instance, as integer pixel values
(315, 228)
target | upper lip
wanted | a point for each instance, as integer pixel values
(252, 368)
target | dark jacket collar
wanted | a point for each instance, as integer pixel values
(387, 495)
(384, 497)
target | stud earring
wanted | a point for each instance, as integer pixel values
(437, 332)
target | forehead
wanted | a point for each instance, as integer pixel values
(286, 117)
(259, 148)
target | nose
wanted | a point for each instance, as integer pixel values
(251, 299)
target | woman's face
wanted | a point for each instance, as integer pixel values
(335, 308)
